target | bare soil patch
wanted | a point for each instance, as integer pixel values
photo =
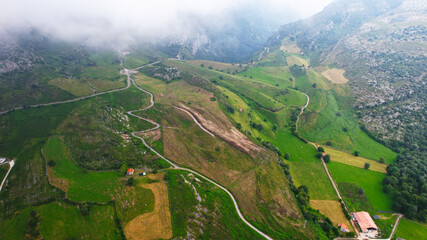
(335, 75)
(230, 135)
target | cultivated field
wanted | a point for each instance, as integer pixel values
(335, 75)
(156, 224)
(350, 159)
(333, 210)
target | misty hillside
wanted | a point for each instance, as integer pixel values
(382, 47)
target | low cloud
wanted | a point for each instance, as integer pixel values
(110, 22)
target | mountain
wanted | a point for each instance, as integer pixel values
(382, 47)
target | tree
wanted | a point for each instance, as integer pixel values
(382, 160)
(210, 67)
(367, 165)
(221, 77)
(260, 127)
(230, 109)
(345, 129)
(202, 65)
(356, 153)
(329, 143)
(320, 149)
(361, 191)
(239, 126)
(123, 168)
(287, 156)
(314, 85)
(327, 158)
(339, 114)
(319, 155)
(130, 181)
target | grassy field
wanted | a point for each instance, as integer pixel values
(298, 151)
(74, 86)
(350, 159)
(312, 175)
(64, 221)
(225, 67)
(335, 75)
(410, 230)
(370, 181)
(333, 210)
(155, 224)
(336, 124)
(84, 185)
(134, 201)
(269, 75)
(294, 59)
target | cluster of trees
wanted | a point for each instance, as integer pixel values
(406, 180)
(273, 148)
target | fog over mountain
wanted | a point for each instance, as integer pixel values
(120, 23)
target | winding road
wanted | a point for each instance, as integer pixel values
(11, 164)
(175, 166)
(130, 81)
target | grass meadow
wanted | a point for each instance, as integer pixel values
(59, 220)
(85, 185)
(410, 230)
(370, 181)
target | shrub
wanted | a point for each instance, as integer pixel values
(221, 77)
(327, 158)
(130, 181)
(367, 165)
(345, 129)
(239, 126)
(382, 160)
(230, 109)
(339, 114)
(51, 163)
(287, 156)
(356, 153)
(320, 149)
(329, 143)
(213, 99)
(210, 67)
(84, 209)
(202, 65)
